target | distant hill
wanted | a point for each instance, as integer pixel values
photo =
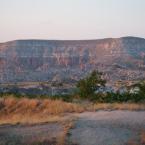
(54, 60)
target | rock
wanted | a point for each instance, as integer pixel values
(43, 60)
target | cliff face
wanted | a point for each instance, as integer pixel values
(47, 60)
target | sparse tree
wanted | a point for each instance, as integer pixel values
(90, 84)
(137, 91)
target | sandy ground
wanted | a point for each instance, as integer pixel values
(107, 128)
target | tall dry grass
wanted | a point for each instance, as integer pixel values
(118, 106)
(24, 110)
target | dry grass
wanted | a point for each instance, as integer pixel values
(118, 106)
(31, 111)
(25, 110)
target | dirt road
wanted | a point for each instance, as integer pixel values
(42, 134)
(108, 128)
(90, 128)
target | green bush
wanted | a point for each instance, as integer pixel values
(87, 86)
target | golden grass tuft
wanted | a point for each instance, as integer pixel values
(26, 110)
(119, 106)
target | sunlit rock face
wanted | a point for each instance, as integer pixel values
(46, 60)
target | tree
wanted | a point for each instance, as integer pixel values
(90, 84)
(141, 86)
(139, 95)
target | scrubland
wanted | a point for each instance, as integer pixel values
(24, 110)
(20, 116)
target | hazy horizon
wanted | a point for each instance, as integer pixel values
(70, 39)
(71, 19)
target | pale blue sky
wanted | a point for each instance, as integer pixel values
(71, 19)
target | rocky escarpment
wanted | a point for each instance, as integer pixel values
(52, 60)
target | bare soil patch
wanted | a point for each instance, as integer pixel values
(108, 128)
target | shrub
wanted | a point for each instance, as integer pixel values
(90, 84)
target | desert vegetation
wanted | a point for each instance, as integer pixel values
(88, 88)
(15, 108)
(60, 110)
(90, 84)
(24, 110)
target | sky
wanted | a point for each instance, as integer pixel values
(71, 19)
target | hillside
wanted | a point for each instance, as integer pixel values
(68, 61)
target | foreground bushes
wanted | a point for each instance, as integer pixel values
(118, 97)
(66, 98)
(99, 97)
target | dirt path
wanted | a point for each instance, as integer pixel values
(107, 128)
(90, 128)
(43, 134)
